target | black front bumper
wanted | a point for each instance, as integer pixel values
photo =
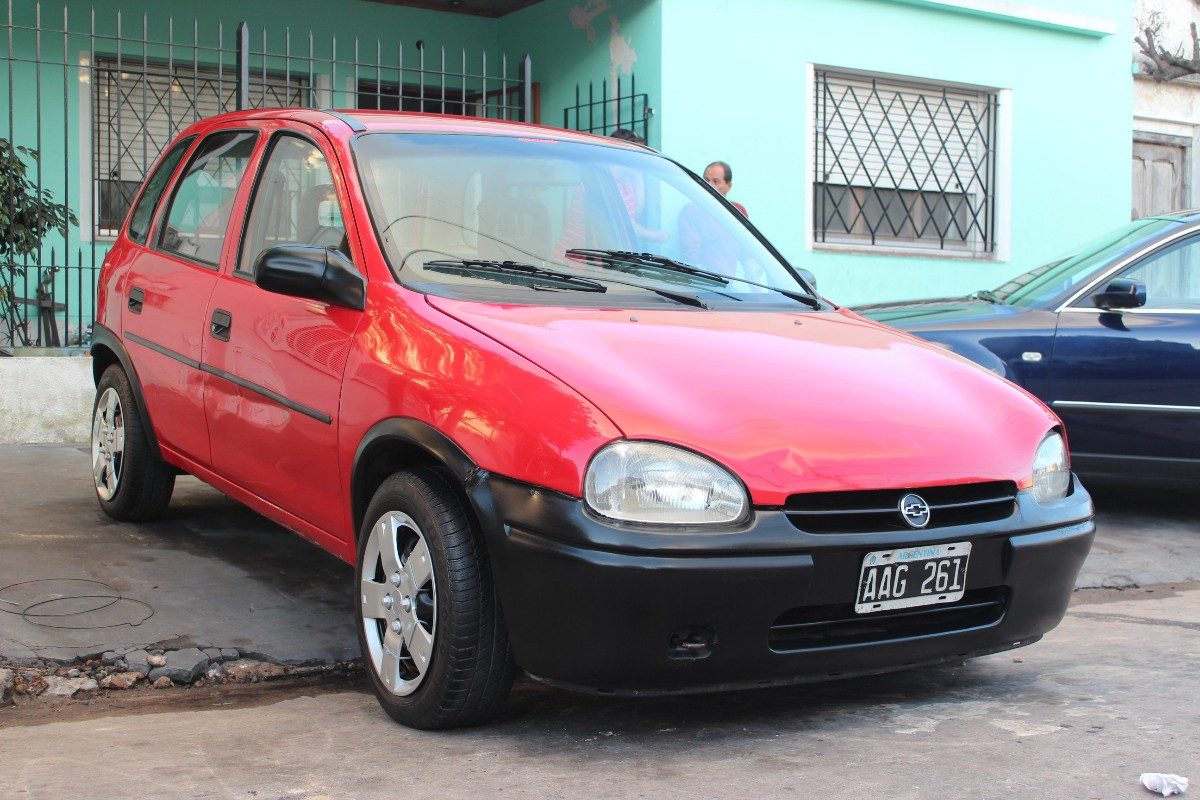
(604, 607)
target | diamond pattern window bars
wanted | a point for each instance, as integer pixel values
(904, 164)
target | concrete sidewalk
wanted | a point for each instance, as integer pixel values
(46, 399)
(214, 574)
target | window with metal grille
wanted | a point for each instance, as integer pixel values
(139, 107)
(602, 113)
(414, 97)
(904, 164)
(505, 101)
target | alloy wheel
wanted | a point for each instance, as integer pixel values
(398, 603)
(108, 444)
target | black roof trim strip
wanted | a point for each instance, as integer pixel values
(354, 124)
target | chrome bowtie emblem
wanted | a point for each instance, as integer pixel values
(914, 510)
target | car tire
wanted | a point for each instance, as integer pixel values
(433, 637)
(132, 481)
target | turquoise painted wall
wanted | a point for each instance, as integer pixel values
(733, 87)
(573, 42)
(727, 80)
(55, 125)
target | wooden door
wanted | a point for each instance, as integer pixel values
(1159, 180)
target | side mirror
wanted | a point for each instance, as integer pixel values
(1121, 293)
(313, 272)
(808, 277)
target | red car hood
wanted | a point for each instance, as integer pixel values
(790, 402)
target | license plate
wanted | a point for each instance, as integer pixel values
(912, 576)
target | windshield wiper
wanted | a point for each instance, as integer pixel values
(632, 259)
(616, 259)
(515, 273)
(987, 295)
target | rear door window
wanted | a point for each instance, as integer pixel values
(198, 218)
(143, 212)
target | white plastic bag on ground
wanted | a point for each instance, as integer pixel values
(1164, 784)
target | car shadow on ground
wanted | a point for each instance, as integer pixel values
(939, 691)
(206, 522)
(1167, 503)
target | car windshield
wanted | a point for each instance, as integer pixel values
(1044, 283)
(491, 217)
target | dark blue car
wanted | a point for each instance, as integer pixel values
(1109, 337)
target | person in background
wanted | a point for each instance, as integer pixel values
(719, 175)
(632, 189)
(706, 241)
(626, 135)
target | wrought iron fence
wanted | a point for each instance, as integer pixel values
(625, 109)
(99, 95)
(904, 163)
(52, 303)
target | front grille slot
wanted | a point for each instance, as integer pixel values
(817, 627)
(879, 510)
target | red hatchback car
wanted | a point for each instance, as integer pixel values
(567, 412)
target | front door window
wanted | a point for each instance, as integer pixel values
(295, 203)
(1172, 276)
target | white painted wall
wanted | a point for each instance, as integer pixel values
(1172, 108)
(46, 400)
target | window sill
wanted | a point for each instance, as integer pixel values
(901, 251)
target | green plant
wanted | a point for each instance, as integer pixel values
(27, 214)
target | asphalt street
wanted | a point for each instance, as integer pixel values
(209, 573)
(1108, 695)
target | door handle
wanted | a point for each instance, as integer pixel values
(221, 322)
(137, 298)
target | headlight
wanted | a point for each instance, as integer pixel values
(1051, 469)
(660, 484)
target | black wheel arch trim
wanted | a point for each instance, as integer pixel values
(414, 433)
(104, 338)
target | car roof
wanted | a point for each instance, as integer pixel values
(1186, 216)
(344, 123)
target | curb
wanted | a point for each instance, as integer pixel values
(84, 678)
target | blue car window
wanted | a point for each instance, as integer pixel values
(1043, 284)
(1172, 276)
